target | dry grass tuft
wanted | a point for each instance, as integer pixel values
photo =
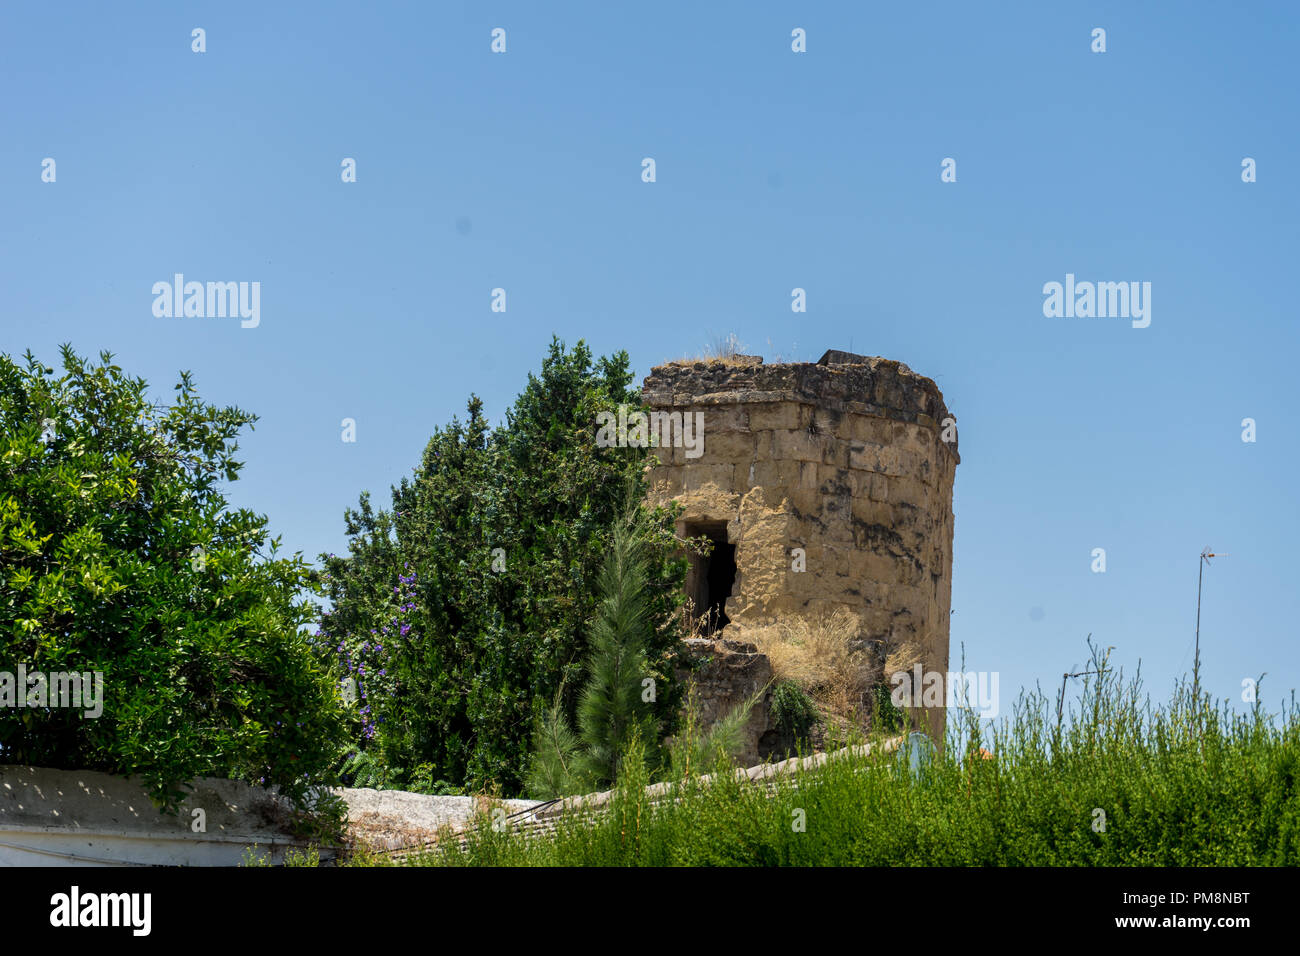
(702, 626)
(825, 654)
(725, 351)
(901, 657)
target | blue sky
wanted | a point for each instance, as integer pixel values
(775, 170)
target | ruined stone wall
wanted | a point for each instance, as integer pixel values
(727, 674)
(844, 459)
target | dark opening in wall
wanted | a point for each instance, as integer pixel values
(711, 579)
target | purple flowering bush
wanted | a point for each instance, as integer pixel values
(363, 661)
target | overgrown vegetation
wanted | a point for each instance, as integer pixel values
(615, 709)
(120, 555)
(462, 612)
(726, 350)
(823, 656)
(793, 713)
(1118, 782)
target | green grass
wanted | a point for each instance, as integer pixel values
(1187, 783)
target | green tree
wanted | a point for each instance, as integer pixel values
(616, 720)
(614, 706)
(466, 604)
(120, 555)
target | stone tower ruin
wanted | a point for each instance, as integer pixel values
(821, 485)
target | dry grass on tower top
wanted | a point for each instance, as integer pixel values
(723, 351)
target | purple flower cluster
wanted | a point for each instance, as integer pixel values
(366, 663)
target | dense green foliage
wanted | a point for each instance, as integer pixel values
(794, 713)
(1183, 785)
(616, 713)
(462, 611)
(119, 554)
(885, 716)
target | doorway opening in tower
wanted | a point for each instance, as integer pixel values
(711, 577)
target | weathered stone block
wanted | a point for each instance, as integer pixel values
(728, 446)
(870, 511)
(870, 429)
(796, 445)
(664, 482)
(867, 457)
(905, 489)
(834, 480)
(784, 416)
(702, 476)
(726, 418)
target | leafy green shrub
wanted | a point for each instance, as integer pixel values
(886, 717)
(793, 712)
(363, 770)
(119, 554)
(462, 611)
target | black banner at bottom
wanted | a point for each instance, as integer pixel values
(339, 905)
